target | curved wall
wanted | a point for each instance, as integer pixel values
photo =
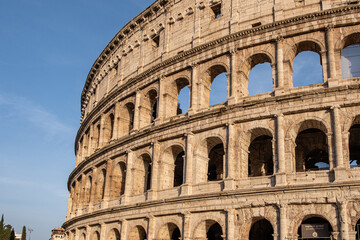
(146, 171)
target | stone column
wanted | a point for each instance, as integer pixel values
(193, 104)
(152, 193)
(187, 226)
(137, 110)
(123, 229)
(186, 187)
(93, 189)
(90, 142)
(116, 121)
(332, 81)
(280, 150)
(102, 231)
(129, 182)
(230, 157)
(102, 128)
(232, 87)
(161, 100)
(340, 172)
(82, 202)
(109, 167)
(88, 232)
(151, 228)
(279, 86)
(230, 230)
(283, 221)
(344, 220)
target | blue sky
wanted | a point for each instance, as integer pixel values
(47, 48)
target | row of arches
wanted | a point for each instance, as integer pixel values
(311, 227)
(311, 149)
(306, 59)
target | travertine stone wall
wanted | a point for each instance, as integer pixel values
(237, 163)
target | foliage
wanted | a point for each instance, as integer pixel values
(23, 234)
(6, 231)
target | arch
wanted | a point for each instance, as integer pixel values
(113, 234)
(126, 119)
(210, 155)
(118, 180)
(208, 229)
(309, 122)
(169, 231)
(137, 233)
(149, 107)
(87, 190)
(83, 236)
(177, 97)
(172, 166)
(142, 174)
(212, 78)
(261, 229)
(259, 73)
(354, 143)
(306, 60)
(350, 56)
(100, 186)
(95, 236)
(314, 225)
(260, 157)
(312, 150)
(109, 128)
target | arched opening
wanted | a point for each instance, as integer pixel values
(100, 186)
(95, 236)
(261, 230)
(153, 105)
(354, 145)
(311, 151)
(96, 138)
(214, 88)
(169, 231)
(260, 78)
(179, 169)
(127, 119)
(215, 232)
(357, 229)
(114, 234)
(216, 162)
(183, 101)
(315, 227)
(350, 57)
(118, 181)
(83, 236)
(88, 186)
(142, 174)
(109, 128)
(260, 158)
(137, 233)
(307, 64)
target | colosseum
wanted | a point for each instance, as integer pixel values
(275, 164)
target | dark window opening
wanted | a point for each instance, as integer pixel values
(214, 232)
(216, 159)
(261, 230)
(357, 229)
(311, 152)
(354, 145)
(156, 41)
(260, 160)
(131, 112)
(111, 126)
(179, 169)
(323, 229)
(154, 112)
(103, 183)
(216, 8)
(176, 234)
(148, 178)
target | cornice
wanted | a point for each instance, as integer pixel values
(112, 47)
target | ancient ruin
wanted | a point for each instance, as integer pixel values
(281, 163)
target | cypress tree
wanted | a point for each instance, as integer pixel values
(12, 235)
(2, 227)
(23, 234)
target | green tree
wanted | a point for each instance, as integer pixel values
(12, 234)
(23, 234)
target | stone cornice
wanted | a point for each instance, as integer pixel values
(226, 194)
(230, 38)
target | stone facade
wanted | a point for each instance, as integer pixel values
(144, 171)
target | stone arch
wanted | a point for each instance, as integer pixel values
(169, 231)
(100, 186)
(83, 236)
(149, 107)
(109, 127)
(318, 219)
(173, 90)
(118, 177)
(210, 154)
(113, 234)
(350, 38)
(142, 174)
(95, 236)
(88, 189)
(172, 166)
(260, 152)
(137, 233)
(126, 121)
(207, 79)
(354, 142)
(261, 229)
(209, 229)
(251, 62)
(350, 56)
(311, 146)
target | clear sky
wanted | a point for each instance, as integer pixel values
(46, 51)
